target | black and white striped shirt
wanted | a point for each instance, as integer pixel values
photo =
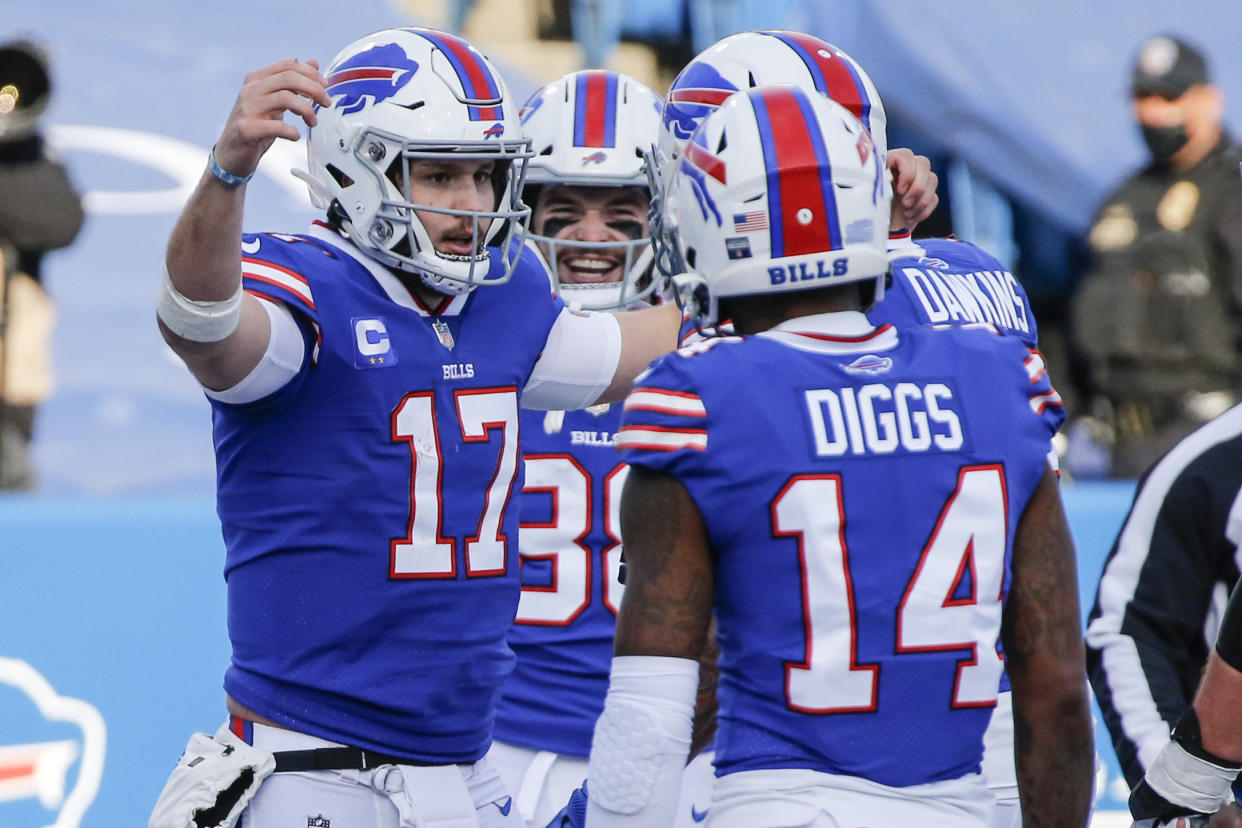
(1164, 588)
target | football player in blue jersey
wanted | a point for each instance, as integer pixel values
(867, 510)
(365, 379)
(589, 194)
(934, 281)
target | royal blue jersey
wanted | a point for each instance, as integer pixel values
(946, 281)
(954, 282)
(570, 553)
(861, 489)
(368, 507)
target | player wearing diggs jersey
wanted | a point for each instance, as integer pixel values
(365, 380)
(867, 510)
(589, 196)
(934, 281)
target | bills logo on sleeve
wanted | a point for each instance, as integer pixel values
(373, 348)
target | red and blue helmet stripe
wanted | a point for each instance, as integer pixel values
(477, 81)
(595, 109)
(834, 77)
(798, 172)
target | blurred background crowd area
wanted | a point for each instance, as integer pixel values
(1025, 111)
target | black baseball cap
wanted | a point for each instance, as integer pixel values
(1167, 66)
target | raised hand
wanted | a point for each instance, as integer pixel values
(914, 189)
(258, 115)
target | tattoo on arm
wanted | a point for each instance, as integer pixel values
(669, 581)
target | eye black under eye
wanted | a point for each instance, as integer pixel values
(631, 229)
(553, 225)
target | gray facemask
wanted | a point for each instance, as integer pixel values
(1164, 141)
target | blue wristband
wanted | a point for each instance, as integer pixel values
(227, 177)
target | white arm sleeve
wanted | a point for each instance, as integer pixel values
(280, 362)
(641, 742)
(577, 364)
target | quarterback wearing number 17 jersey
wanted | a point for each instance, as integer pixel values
(399, 543)
(864, 609)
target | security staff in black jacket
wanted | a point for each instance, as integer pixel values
(1157, 320)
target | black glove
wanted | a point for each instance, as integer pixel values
(1151, 810)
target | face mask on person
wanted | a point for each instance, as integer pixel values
(1164, 141)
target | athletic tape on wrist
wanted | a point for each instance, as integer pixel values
(198, 321)
(1185, 779)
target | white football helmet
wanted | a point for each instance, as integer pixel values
(759, 58)
(401, 95)
(779, 189)
(591, 129)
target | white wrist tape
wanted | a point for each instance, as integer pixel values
(1185, 779)
(198, 321)
(641, 741)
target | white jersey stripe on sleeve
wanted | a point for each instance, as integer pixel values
(654, 438)
(279, 277)
(1035, 367)
(665, 402)
(1039, 402)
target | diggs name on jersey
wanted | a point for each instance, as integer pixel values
(879, 419)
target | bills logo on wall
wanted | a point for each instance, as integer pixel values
(51, 751)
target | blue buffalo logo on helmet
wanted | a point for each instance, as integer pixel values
(494, 131)
(370, 77)
(695, 94)
(597, 157)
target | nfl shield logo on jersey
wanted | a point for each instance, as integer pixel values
(318, 822)
(373, 348)
(443, 333)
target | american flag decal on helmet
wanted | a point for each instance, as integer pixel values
(749, 222)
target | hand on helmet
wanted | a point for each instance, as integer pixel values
(257, 118)
(914, 189)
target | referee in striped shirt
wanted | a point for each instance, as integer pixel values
(1163, 591)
